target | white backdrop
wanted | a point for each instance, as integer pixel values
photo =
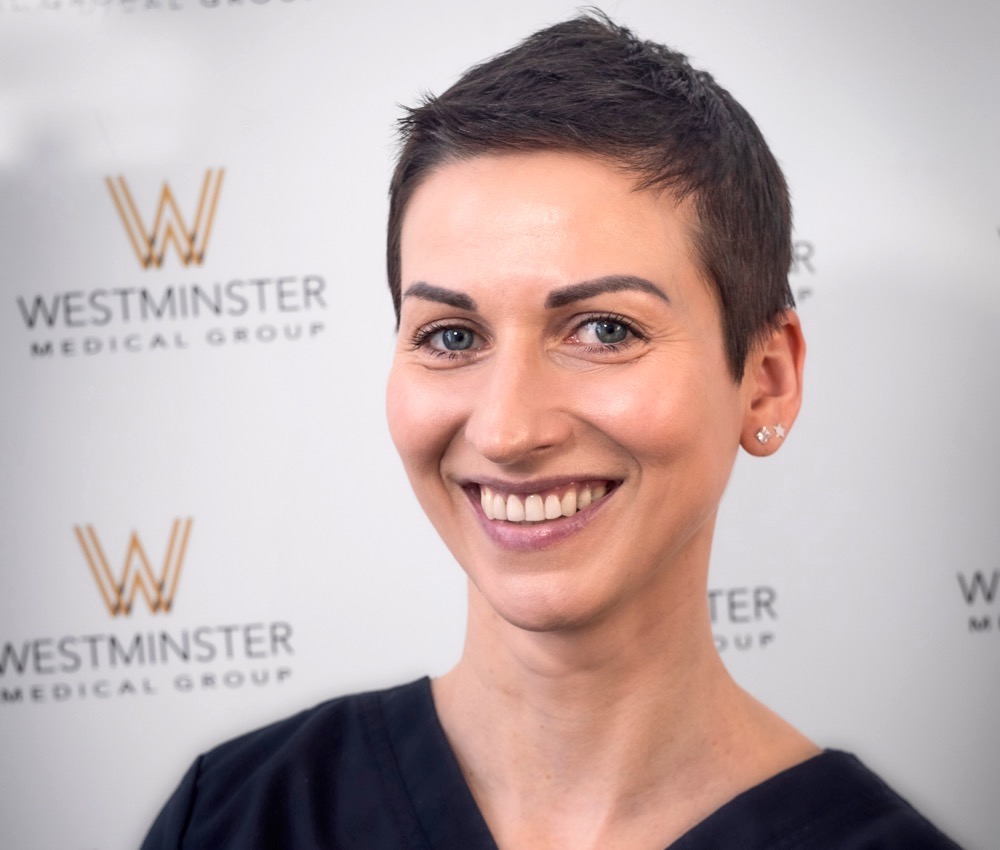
(241, 397)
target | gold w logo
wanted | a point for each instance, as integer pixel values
(169, 227)
(137, 574)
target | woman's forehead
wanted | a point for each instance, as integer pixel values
(552, 216)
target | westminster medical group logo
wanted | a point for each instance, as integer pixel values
(137, 575)
(174, 299)
(168, 228)
(146, 651)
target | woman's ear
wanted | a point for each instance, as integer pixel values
(773, 383)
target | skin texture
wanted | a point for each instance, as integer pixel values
(555, 329)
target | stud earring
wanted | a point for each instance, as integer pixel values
(765, 433)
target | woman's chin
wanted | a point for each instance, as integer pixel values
(541, 604)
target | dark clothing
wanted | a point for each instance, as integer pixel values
(375, 772)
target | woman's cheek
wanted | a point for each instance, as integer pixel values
(639, 412)
(422, 413)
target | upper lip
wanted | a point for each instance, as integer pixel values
(532, 485)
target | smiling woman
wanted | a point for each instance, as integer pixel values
(588, 251)
(591, 362)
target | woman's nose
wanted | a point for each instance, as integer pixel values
(518, 410)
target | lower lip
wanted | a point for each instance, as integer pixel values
(525, 537)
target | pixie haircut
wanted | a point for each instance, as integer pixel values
(591, 87)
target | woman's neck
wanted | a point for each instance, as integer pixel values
(627, 728)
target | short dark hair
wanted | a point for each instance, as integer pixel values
(590, 86)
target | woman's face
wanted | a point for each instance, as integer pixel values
(560, 396)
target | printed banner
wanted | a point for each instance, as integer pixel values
(205, 524)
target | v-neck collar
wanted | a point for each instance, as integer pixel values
(805, 797)
(430, 773)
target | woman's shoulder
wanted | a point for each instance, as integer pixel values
(330, 767)
(332, 727)
(830, 800)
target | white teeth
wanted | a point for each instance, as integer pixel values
(486, 500)
(534, 508)
(515, 509)
(537, 508)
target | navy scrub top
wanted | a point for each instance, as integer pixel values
(374, 771)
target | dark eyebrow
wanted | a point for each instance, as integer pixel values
(610, 283)
(458, 300)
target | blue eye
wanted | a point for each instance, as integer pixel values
(456, 339)
(449, 341)
(610, 333)
(607, 330)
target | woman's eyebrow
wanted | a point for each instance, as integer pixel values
(429, 292)
(610, 283)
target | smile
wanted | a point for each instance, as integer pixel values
(543, 506)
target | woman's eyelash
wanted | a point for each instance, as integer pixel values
(611, 318)
(421, 335)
